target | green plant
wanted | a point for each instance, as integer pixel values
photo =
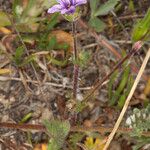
(19, 58)
(100, 10)
(123, 87)
(141, 30)
(58, 131)
(74, 138)
(139, 121)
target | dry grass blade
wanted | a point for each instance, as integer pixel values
(110, 138)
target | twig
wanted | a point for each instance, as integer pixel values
(128, 100)
(3, 78)
(41, 128)
(130, 17)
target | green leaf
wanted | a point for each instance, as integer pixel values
(93, 6)
(121, 86)
(52, 22)
(27, 60)
(75, 138)
(83, 58)
(131, 6)
(123, 97)
(97, 24)
(26, 117)
(63, 46)
(18, 55)
(58, 130)
(17, 9)
(51, 43)
(141, 30)
(105, 8)
(4, 20)
(111, 83)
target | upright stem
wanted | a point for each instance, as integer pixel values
(75, 57)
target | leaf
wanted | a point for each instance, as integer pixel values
(5, 71)
(5, 30)
(18, 55)
(27, 27)
(122, 98)
(131, 6)
(4, 20)
(52, 42)
(74, 138)
(42, 146)
(121, 86)
(83, 58)
(26, 117)
(27, 60)
(97, 24)
(53, 21)
(111, 83)
(141, 30)
(92, 144)
(58, 131)
(63, 37)
(105, 8)
(93, 6)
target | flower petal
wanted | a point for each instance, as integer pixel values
(73, 2)
(61, 2)
(65, 3)
(55, 8)
(80, 2)
(71, 10)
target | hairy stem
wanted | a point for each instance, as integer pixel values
(76, 67)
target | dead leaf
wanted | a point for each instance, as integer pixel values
(5, 71)
(5, 30)
(63, 37)
(40, 147)
(8, 42)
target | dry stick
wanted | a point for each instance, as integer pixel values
(41, 128)
(3, 78)
(128, 100)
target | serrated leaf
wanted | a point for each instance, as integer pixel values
(97, 24)
(74, 138)
(58, 131)
(141, 30)
(4, 20)
(105, 8)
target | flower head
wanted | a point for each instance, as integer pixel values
(66, 6)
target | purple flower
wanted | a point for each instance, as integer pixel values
(66, 6)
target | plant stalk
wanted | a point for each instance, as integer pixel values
(75, 57)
